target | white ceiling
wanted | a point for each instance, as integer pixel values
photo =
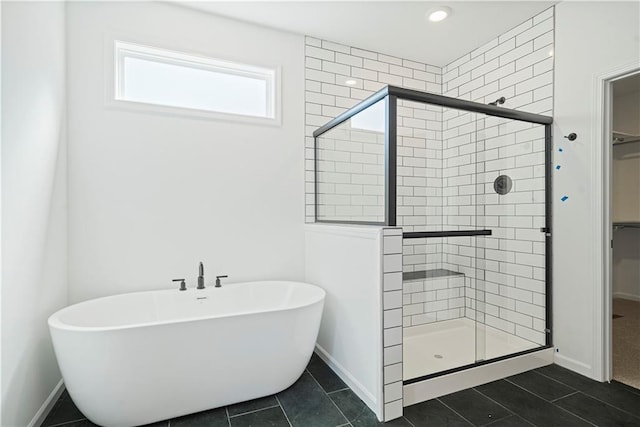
(397, 28)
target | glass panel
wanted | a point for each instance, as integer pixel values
(437, 336)
(466, 298)
(436, 192)
(419, 166)
(350, 168)
(510, 294)
(459, 172)
(470, 298)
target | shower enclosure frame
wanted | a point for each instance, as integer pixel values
(391, 95)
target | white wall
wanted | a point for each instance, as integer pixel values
(34, 224)
(353, 303)
(149, 195)
(586, 45)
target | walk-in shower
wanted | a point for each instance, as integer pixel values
(469, 185)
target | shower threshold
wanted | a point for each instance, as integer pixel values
(449, 344)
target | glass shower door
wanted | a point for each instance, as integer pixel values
(510, 296)
(460, 224)
(471, 201)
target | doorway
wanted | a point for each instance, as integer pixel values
(624, 227)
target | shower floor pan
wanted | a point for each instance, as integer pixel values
(439, 346)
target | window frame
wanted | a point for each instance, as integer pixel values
(120, 49)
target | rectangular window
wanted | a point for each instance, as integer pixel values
(175, 80)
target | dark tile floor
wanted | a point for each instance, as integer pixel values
(550, 396)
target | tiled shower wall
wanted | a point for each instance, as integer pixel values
(419, 182)
(509, 266)
(392, 322)
(419, 169)
(445, 178)
(351, 168)
(328, 66)
(351, 174)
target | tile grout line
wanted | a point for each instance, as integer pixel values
(530, 392)
(407, 419)
(551, 403)
(535, 394)
(633, 390)
(327, 394)
(604, 403)
(453, 410)
(569, 412)
(575, 415)
(551, 378)
(67, 422)
(251, 412)
(501, 419)
(226, 410)
(502, 406)
(562, 397)
(609, 404)
(335, 391)
(283, 411)
(535, 371)
(589, 394)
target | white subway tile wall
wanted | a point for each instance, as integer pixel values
(419, 181)
(447, 162)
(504, 273)
(392, 322)
(517, 65)
(433, 299)
(351, 174)
(356, 191)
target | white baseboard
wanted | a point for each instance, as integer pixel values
(46, 407)
(355, 385)
(573, 365)
(625, 295)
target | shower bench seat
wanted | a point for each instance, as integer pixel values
(429, 274)
(432, 295)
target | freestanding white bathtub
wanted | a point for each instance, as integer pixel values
(137, 358)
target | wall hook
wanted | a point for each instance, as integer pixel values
(572, 136)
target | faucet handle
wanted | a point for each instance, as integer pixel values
(183, 285)
(218, 285)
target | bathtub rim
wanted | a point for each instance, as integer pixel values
(54, 321)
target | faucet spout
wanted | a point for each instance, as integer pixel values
(200, 277)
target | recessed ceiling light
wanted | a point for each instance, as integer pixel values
(438, 14)
(350, 82)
